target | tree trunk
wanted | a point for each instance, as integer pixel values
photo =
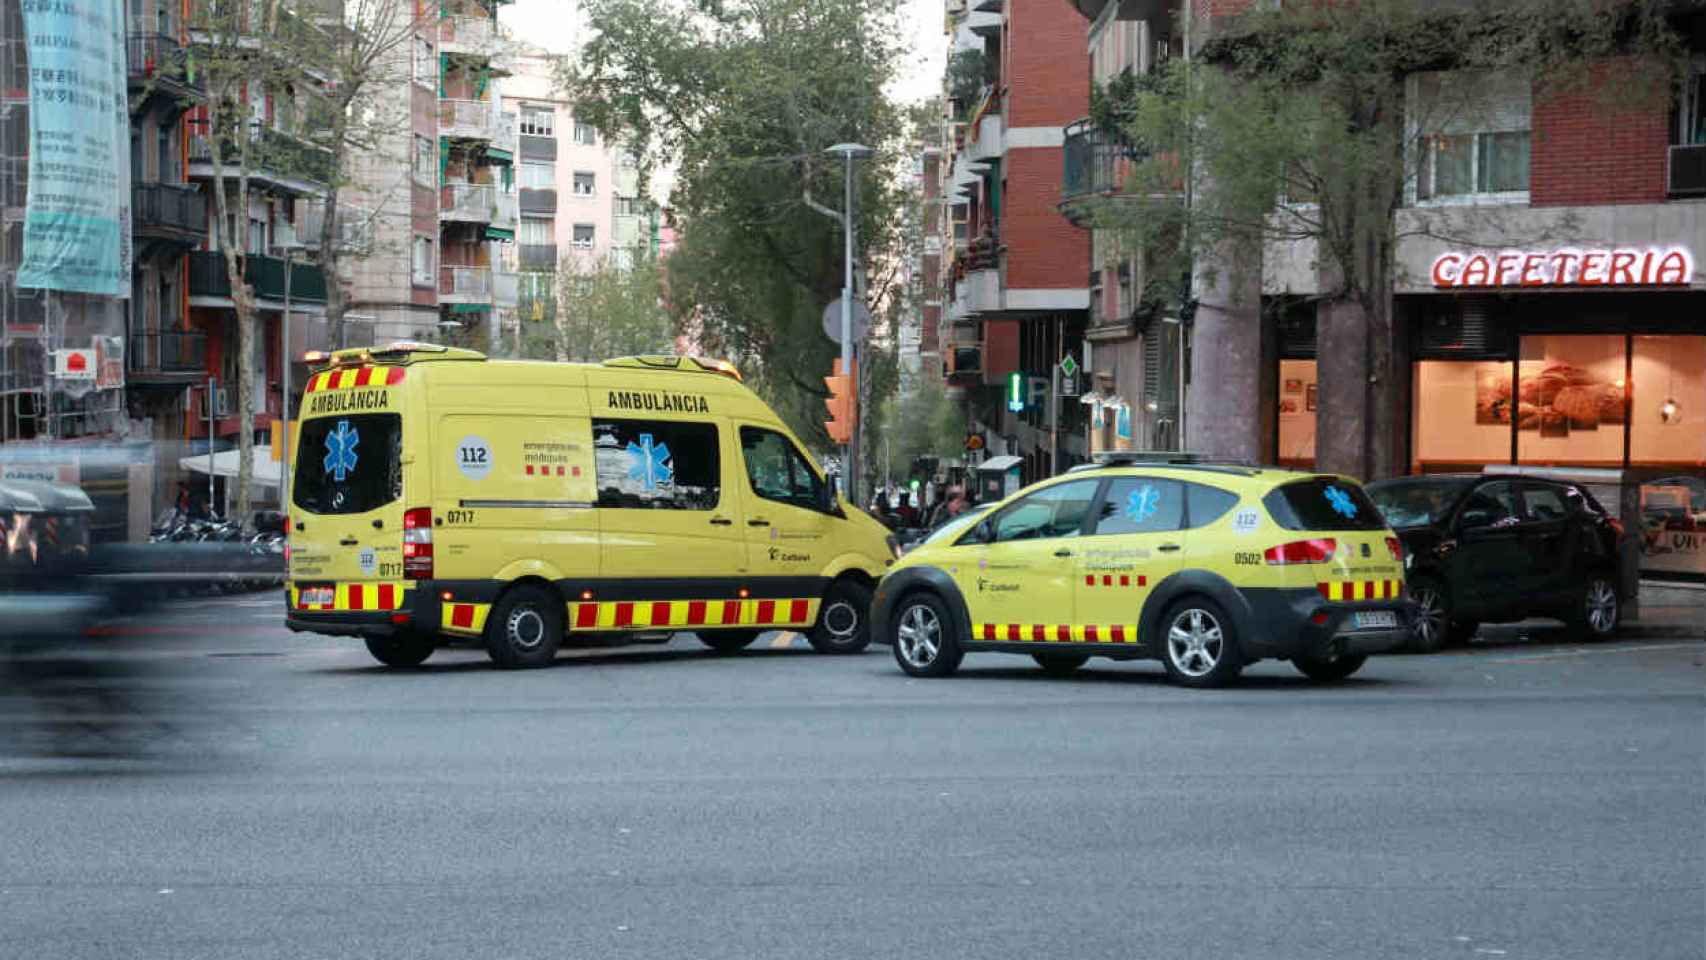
(331, 260)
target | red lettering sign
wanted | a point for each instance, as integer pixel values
(1617, 267)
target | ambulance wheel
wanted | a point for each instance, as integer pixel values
(844, 620)
(923, 639)
(1060, 664)
(1200, 645)
(408, 650)
(525, 628)
(727, 641)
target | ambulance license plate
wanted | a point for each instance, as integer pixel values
(324, 596)
(1376, 620)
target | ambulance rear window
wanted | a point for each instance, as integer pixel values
(1323, 503)
(349, 464)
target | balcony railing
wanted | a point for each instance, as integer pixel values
(265, 274)
(466, 34)
(465, 284)
(506, 211)
(467, 119)
(505, 289)
(538, 201)
(468, 202)
(1093, 161)
(150, 54)
(168, 206)
(537, 256)
(272, 152)
(167, 352)
(354, 231)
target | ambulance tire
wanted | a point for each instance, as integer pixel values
(1199, 644)
(407, 650)
(727, 641)
(525, 628)
(844, 619)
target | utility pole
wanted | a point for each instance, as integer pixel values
(284, 383)
(849, 152)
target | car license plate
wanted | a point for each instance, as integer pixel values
(1376, 620)
(324, 596)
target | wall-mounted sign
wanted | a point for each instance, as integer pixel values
(75, 364)
(1588, 267)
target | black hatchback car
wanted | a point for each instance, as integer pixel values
(1496, 549)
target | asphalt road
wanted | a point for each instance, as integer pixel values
(1525, 798)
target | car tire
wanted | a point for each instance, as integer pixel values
(1597, 609)
(407, 650)
(1435, 628)
(844, 619)
(525, 628)
(1060, 664)
(1329, 669)
(1199, 644)
(727, 641)
(923, 636)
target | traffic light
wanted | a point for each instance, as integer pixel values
(843, 407)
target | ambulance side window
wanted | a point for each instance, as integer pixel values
(656, 465)
(777, 471)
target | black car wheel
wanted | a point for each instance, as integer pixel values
(843, 624)
(1060, 664)
(1597, 610)
(1435, 627)
(525, 628)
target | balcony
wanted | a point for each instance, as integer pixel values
(1687, 173)
(264, 274)
(1094, 163)
(354, 232)
(989, 144)
(505, 289)
(156, 65)
(504, 139)
(174, 213)
(467, 35)
(539, 202)
(468, 202)
(465, 284)
(166, 355)
(538, 256)
(467, 119)
(274, 155)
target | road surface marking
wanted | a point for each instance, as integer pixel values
(784, 640)
(1535, 658)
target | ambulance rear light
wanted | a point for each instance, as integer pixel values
(1302, 551)
(417, 543)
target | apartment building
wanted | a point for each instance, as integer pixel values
(1016, 285)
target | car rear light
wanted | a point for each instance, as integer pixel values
(1396, 548)
(1302, 551)
(417, 543)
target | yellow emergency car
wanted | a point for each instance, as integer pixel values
(439, 494)
(1205, 567)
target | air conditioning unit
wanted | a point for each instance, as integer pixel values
(968, 360)
(1688, 171)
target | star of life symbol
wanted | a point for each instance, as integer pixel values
(1142, 503)
(1342, 502)
(651, 464)
(340, 450)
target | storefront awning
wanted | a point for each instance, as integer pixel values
(498, 233)
(224, 464)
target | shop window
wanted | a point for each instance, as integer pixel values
(1667, 404)
(1673, 524)
(1462, 414)
(1297, 403)
(1569, 400)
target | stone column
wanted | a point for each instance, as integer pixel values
(1223, 400)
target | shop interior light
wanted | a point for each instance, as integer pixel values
(1670, 411)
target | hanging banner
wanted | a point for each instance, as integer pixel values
(77, 211)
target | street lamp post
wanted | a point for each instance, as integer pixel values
(289, 249)
(849, 152)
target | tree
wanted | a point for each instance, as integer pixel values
(602, 310)
(743, 97)
(1299, 125)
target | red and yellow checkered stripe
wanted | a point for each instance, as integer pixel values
(464, 617)
(348, 377)
(632, 614)
(356, 597)
(1115, 580)
(1056, 632)
(1362, 589)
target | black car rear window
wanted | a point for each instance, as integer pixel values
(349, 464)
(1322, 503)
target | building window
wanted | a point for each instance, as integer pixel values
(537, 176)
(425, 64)
(583, 236)
(535, 231)
(537, 122)
(585, 184)
(656, 464)
(421, 263)
(584, 134)
(426, 162)
(1472, 134)
(1691, 106)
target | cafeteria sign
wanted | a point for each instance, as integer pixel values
(1588, 267)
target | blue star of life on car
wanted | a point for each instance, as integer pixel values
(1342, 502)
(651, 464)
(341, 457)
(1142, 503)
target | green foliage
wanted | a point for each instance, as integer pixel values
(600, 311)
(968, 74)
(744, 103)
(927, 423)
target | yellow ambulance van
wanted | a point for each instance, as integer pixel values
(438, 494)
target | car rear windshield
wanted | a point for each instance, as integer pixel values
(1415, 503)
(1322, 503)
(349, 464)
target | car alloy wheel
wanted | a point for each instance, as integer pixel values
(1195, 642)
(1601, 606)
(919, 636)
(1430, 618)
